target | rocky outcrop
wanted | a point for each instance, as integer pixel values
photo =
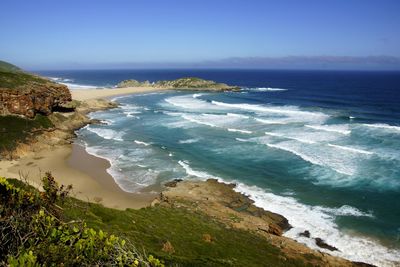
(191, 83)
(35, 95)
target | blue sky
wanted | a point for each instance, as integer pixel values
(49, 34)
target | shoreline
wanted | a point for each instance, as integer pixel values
(72, 164)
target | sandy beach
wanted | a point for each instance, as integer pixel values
(71, 164)
(88, 94)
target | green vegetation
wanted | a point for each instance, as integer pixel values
(19, 80)
(182, 83)
(33, 232)
(58, 229)
(7, 67)
(180, 237)
(14, 130)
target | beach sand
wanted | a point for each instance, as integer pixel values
(71, 164)
(87, 94)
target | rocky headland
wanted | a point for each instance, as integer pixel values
(27, 95)
(191, 83)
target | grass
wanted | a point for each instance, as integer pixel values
(14, 130)
(5, 66)
(14, 80)
(150, 228)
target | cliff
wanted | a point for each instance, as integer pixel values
(27, 95)
(191, 83)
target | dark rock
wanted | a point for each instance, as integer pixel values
(305, 234)
(362, 264)
(33, 99)
(322, 244)
(173, 183)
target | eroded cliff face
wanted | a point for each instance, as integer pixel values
(34, 96)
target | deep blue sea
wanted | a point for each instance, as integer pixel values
(322, 148)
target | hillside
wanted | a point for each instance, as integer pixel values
(8, 67)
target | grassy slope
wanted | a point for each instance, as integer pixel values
(15, 129)
(7, 67)
(13, 80)
(151, 227)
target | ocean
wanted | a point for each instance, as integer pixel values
(322, 148)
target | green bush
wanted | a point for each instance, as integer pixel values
(33, 232)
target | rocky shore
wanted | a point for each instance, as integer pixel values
(221, 203)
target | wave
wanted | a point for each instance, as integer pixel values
(289, 137)
(188, 141)
(383, 126)
(78, 86)
(274, 121)
(59, 79)
(237, 115)
(342, 129)
(268, 89)
(191, 103)
(325, 160)
(191, 172)
(107, 133)
(283, 110)
(239, 131)
(351, 149)
(196, 95)
(320, 222)
(141, 143)
(191, 119)
(241, 140)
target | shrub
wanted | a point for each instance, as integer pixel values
(34, 234)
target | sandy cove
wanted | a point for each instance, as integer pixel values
(70, 163)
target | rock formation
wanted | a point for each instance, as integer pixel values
(25, 94)
(182, 83)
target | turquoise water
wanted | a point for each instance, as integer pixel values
(320, 148)
(325, 172)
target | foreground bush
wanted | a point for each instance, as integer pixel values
(33, 233)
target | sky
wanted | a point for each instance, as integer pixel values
(79, 34)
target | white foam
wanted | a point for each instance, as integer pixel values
(106, 133)
(188, 102)
(239, 131)
(78, 86)
(237, 115)
(351, 149)
(188, 141)
(290, 137)
(241, 140)
(274, 121)
(191, 172)
(334, 161)
(141, 143)
(268, 89)
(320, 222)
(342, 129)
(383, 126)
(196, 95)
(283, 110)
(192, 119)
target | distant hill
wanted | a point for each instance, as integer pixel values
(8, 67)
(191, 83)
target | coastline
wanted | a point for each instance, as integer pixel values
(90, 94)
(71, 164)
